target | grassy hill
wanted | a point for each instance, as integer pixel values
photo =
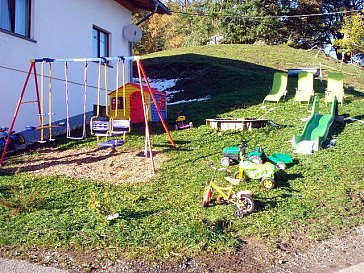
(319, 196)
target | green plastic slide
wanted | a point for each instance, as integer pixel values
(316, 129)
(279, 87)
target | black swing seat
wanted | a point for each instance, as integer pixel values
(120, 126)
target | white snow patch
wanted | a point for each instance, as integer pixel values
(173, 92)
(160, 84)
(187, 101)
(163, 85)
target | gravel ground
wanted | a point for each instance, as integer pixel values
(327, 256)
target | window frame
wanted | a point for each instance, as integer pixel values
(13, 20)
(98, 40)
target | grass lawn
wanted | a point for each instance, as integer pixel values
(319, 196)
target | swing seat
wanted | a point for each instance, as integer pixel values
(30, 128)
(120, 127)
(75, 138)
(111, 143)
(100, 127)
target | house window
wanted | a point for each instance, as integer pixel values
(100, 43)
(15, 16)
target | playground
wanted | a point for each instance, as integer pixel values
(61, 198)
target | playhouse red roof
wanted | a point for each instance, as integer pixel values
(145, 89)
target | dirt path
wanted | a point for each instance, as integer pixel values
(326, 257)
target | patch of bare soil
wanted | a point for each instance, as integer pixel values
(115, 166)
(325, 257)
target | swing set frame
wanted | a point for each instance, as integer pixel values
(32, 70)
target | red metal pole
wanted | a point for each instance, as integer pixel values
(37, 93)
(156, 106)
(16, 113)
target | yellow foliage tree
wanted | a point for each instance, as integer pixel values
(353, 34)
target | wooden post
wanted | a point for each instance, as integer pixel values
(147, 131)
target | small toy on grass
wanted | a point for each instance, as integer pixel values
(180, 122)
(15, 140)
(242, 200)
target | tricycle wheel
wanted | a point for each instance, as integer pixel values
(191, 124)
(268, 183)
(245, 204)
(207, 196)
(238, 176)
(225, 161)
(281, 165)
(20, 139)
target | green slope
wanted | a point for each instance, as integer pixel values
(318, 196)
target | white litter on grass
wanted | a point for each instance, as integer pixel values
(304, 119)
(112, 217)
(188, 101)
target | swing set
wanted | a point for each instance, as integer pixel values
(110, 126)
(100, 126)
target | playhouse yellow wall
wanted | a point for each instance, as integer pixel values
(129, 89)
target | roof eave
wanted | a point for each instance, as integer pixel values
(149, 5)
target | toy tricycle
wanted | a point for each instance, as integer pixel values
(16, 139)
(253, 170)
(180, 122)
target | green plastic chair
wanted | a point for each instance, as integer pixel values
(335, 87)
(304, 91)
(279, 87)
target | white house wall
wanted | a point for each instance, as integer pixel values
(59, 29)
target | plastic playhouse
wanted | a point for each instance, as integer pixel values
(133, 103)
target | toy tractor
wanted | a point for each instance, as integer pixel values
(180, 122)
(233, 154)
(265, 172)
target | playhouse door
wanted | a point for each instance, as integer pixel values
(136, 107)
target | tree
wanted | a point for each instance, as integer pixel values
(353, 35)
(244, 22)
(309, 31)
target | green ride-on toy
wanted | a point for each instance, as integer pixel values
(266, 172)
(233, 154)
(255, 164)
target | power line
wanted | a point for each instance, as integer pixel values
(266, 16)
(46, 76)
